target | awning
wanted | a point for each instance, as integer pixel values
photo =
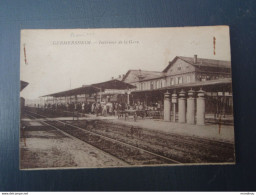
(113, 84)
(213, 85)
(77, 91)
(88, 89)
(23, 84)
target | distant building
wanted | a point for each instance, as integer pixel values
(119, 77)
(138, 78)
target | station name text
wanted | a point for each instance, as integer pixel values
(88, 42)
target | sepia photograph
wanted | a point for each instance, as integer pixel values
(125, 97)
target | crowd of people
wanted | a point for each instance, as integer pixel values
(97, 108)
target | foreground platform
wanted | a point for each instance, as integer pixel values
(46, 147)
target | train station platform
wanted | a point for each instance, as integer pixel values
(44, 147)
(224, 133)
(212, 131)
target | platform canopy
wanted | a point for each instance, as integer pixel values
(210, 85)
(23, 84)
(77, 91)
(89, 89)
(113, 84)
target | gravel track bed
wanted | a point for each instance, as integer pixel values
(128, 154)
(185, 150)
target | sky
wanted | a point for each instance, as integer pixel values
(57, 60)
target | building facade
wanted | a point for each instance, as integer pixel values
(181, 70)
(205, 77)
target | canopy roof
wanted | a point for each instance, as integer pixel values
(212, 85)
(80, 90)
(113, 84)
(88, 89)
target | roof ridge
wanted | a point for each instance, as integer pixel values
(203, 58)
(145, 70)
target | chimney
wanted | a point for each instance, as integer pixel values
(195, 59)
(112, 78)
(119, 76)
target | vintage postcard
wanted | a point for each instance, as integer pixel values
(97, 98)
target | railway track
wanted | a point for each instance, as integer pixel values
(184, 149)
(126, 152)
(175, 146)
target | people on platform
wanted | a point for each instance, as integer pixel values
(83, 107)
(93, 108)
(104, 108)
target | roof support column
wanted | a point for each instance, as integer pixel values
(200, 108)
(128, 97)
(191, 107)
(167, 106)
(182, 107)
(174, 101)
(100, 95)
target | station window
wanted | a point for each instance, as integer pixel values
(151, 85)
(168, 81)
(172, 81)
(138, 87)
(179, 68)
(179, 80)
(163, 83)
(188, 79)
(176, 80)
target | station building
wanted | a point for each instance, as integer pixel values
(189, 90)
(180, 70)
(185, 77)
